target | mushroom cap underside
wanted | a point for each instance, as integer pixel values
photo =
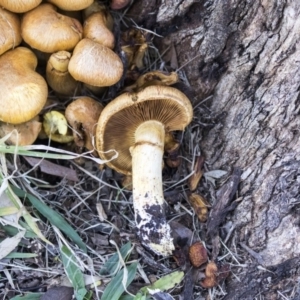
(121, 117)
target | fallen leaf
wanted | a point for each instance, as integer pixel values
(200, 206)
(5, 204)
(9, 244)
(193, 181)
(50, 168)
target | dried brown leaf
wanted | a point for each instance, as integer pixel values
(200, 205)
(50, 168)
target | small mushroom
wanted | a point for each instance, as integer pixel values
(211, 276)
(23, 92)
(134, 125)
(58, 76)
(19, 6)
(95, 27)
(119, 4)
(71, 5)
(96, 7)
(55, 126)
(45, 29)
(21, 134)
(83, 114)
(198, 254)
(10, 30)
(95, 64)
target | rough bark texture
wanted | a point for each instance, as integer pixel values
(245, 55)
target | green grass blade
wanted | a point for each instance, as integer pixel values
(29, 296)
(73, 272)
(10, 230)
(53, 217)
(165, 283)
(44, 153)
(112, 264)
(4, 211)
(21, 255)
(115, 288)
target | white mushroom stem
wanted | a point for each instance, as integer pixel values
(148, 199)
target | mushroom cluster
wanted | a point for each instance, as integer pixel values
(66, 48)
(70, 43)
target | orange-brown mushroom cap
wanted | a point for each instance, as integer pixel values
(10, 30)
(94, 28)
(19, 6)
(23, 92)
(71, 5)
(45, 29)
(121, 117)
(95, 64)
(83, 114)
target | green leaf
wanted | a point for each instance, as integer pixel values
(165, 283)
(88, 295)
(29, 296)
(21, 255)
(73, 272)
(113, 263)
(54, 217)
(139, 296)
(115, 288)
(10, 230)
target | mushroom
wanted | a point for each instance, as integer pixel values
(95, 27)
(83, 114)
(10, 30)
(45, 29)
(118, 4)
(134, 125)
(99, 7)
(19, 6)
(95, 64)
(21, 134)
(58, 76)
(56, 127)
(71, 5)
(23, 92)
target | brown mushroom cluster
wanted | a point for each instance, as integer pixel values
(65, 49)
(51, 47)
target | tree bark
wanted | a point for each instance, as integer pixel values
(242, 58)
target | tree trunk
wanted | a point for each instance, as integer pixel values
(242, 58)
